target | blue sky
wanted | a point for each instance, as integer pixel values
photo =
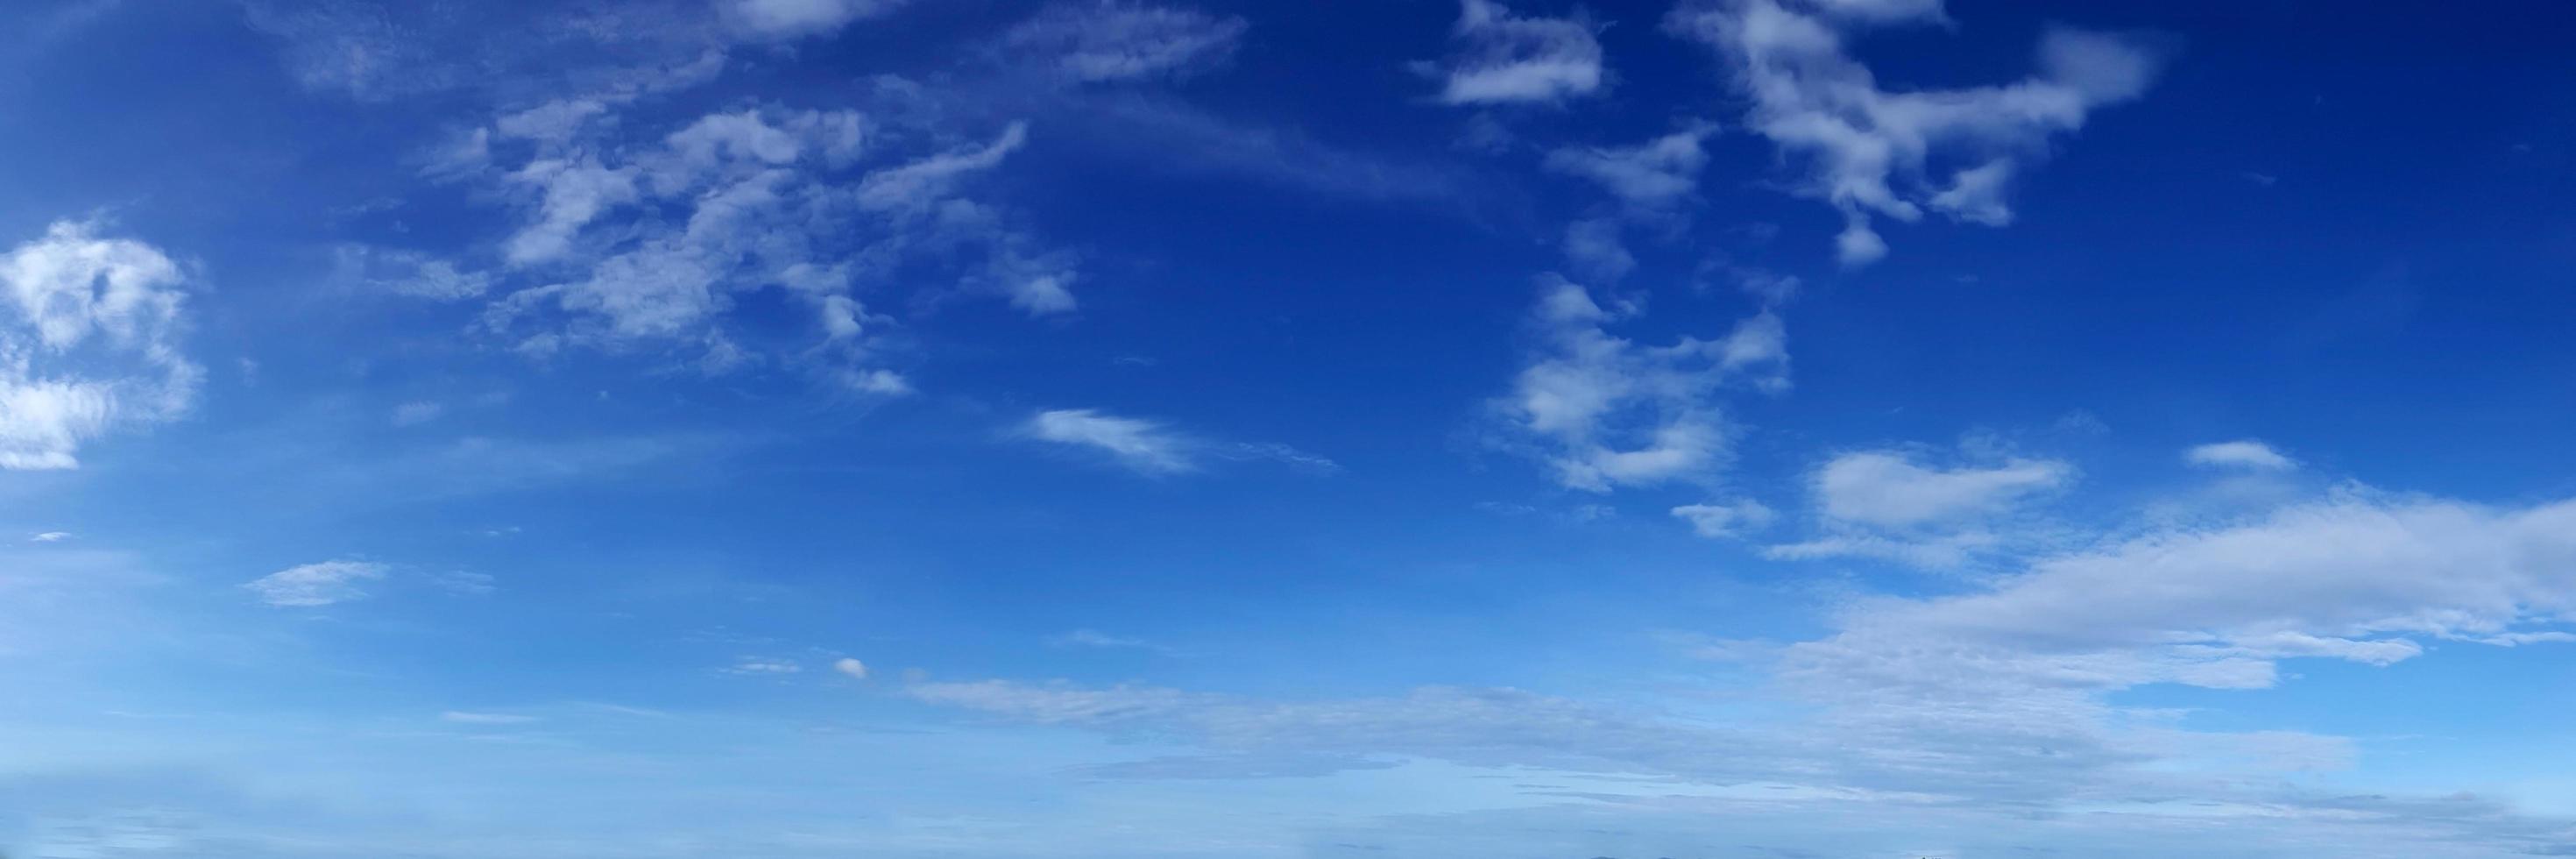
(986, 428)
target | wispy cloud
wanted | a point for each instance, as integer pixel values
(1152, 447)
(315, 585)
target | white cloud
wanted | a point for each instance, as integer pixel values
(1114, 40)
(1872, 151)
(2246, 454)
(1607, 412)
(1886, 488)
(851, 668)
(88, 342)
(464, 583)
(1656, 175)
(468, 718)
(573, 193)
(790, 19)
(1510, 58)
(1724, 519)
(51, 537)
(914, 186)
(1144, 446)
(750, 666)
(2345, 577)
(322, 584)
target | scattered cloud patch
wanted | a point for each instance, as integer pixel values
(1507, 58)
(1115, 40)
(417, 412)
(1606, 412)
(763, 667)
(1656, 176)
(315, 585)
(850, 668)
(51, 537)
(1874, 151)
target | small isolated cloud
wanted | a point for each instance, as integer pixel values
(763, 667)
(1885, 488)
(1144, 446)
(310, 585)
(2246, 454)
(1117, 41)
(465, 718)
(851, 668)
(51, 537)
(1724, 519)
(1507, 58)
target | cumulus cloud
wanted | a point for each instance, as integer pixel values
(1508, 58)
(310, 585)
(1146, 447)
(89, 341)
(1113, 40)
(1605, 412)
(1887, 488)
(2245, 454)
(1872, 151)
(850, 668)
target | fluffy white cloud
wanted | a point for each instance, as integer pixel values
(851, 668)
(1144, 446)
(326, 583)
(1114, 40)
(1608, 412)
(51, 537)
(1874, 151)
(1511, 58)
(1886, 488)
(89, 331)
(2246, 454)
(1724, 519)
(789, 19)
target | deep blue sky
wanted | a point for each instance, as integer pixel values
(985, 428)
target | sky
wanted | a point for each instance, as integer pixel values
(1731, 429)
